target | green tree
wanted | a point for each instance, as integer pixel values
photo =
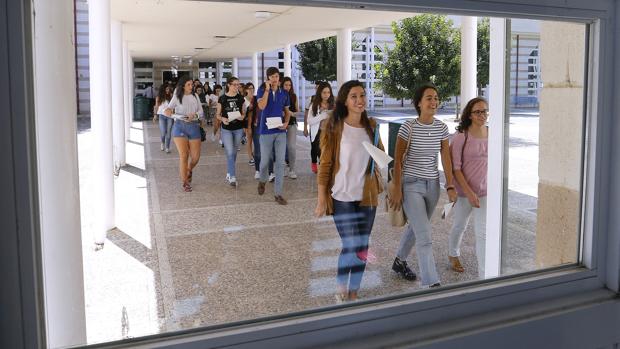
(427, 49)
(317, 59)
(482, 64)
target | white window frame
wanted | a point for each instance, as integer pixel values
(575, 286)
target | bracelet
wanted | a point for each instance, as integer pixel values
(450, 187)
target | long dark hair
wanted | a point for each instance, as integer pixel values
(162, 93)
(317, 99)
(291, 93)
(419, 93)
(181, 87)
(465, 121)
(340, 109)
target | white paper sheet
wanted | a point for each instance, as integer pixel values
(233, 115)
(274, 122)
(447, 208)
(380, 157)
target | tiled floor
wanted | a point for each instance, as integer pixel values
(222, 254)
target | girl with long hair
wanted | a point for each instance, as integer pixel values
(322, 103)
(416, 183)
(165, 123)
(232, 130)
(291, 132)
(343, 190)
(186, 110)
(249, 107)
(469, 151)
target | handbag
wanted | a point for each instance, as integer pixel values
(203, 134)
(397, 217)
(374, 175)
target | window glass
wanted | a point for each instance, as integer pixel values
(229, 233)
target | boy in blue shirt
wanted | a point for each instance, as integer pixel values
(274, 102)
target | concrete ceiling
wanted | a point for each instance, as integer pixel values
(159, 29)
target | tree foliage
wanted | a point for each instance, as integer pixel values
(427, 49)
(317, 59)
(482, 64)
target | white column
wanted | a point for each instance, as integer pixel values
(101, 116)
(118, 100)
(127, 93)
(56, 147)
(219, 68)
(255, 70)
(235, 67)
(343, 51)
(497, 116)
(469, 54)
(287, 60)
(372, 68)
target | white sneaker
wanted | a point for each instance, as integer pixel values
(257, 175)
(227, 177)
(232, 181)
(272, 176)
(161, 147)
(168, 150)
(292, 175)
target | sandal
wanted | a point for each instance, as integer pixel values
(455, 264)
(186, 187)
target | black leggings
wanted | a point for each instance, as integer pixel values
(315, 151)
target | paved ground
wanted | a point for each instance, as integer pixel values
(221, 254)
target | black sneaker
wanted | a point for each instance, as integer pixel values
(401, 268)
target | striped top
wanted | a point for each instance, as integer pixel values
(421, 159)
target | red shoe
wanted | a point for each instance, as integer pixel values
(314, 168)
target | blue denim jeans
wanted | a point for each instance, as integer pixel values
(267, 143)
(354, 224)
(165, 129)
(231, 140)
(419, 200)
(257, 153)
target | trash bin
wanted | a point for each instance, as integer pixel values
(140, 108)
(394, 126)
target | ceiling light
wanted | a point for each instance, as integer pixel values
(262, 14)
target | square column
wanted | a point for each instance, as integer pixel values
(255, 70)
(58, 180)
(343, 51)
(118, 100)
(469, 56)
(287, 60)
(101, 116)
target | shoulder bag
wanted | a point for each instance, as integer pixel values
(397, 217)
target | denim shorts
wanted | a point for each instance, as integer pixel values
(189, 130)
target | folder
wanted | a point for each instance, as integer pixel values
(380, 157)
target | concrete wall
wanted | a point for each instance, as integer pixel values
(561, 126)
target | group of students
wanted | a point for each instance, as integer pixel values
(348, 183)
(238, 116)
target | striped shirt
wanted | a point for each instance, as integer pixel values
(421, 161)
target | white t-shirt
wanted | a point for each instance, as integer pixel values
(191, 104)
(314, 121)
(421, 159)
(349, 181)
(162, 107)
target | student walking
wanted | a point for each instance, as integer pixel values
(274, 103)
(322, 103)
(416, 183)
(291, 132)
(343, 188)
(165, 123)
(187, 111)
(232, 130)
(469, 151)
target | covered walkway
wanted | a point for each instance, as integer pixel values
(219, 254)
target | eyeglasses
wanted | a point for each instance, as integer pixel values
(482, 112)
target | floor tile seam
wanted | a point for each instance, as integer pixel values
(262, 203)
(165, 269)
(322, 223)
